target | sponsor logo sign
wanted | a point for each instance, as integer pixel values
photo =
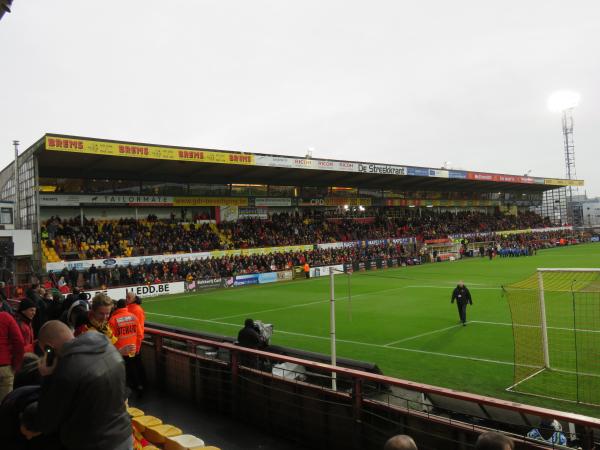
(337, 201)
(272, 201)
(269, 277)
(143, 291)
(382, 169)
(559, 182)
(242, 280)
(417, 171)
(460, 174)
(285, 275)
(129, 150)
(208, 284)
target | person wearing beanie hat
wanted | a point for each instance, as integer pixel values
(25, 314)
(28, 374)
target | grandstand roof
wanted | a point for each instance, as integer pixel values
(69, 156)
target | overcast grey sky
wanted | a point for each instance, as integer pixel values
(388, 81)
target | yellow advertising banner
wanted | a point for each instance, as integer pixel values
(337, 201)
(261, 251)
(559, 182)
(105, 148)
(210, 201)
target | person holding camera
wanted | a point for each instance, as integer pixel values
(250, 337)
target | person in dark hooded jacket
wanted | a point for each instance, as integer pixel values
(463, 297)
(83, 391)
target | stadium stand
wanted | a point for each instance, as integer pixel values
(127, 237)
(89, 203)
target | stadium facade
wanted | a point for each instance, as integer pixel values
(74, 176)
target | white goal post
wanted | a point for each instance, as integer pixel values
(543, 321)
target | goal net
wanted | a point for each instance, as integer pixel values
(556, 329)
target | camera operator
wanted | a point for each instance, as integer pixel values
(250, 337)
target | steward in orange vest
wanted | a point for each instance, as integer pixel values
(129, 334)
(126, 328)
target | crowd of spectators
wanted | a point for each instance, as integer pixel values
(231, 265)
(225, 266)
(94, 239)
(68, 367)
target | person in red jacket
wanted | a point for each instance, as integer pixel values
(24, 317)
(11, 352)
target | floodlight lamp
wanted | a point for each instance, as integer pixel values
(561, 101)
(346, 207)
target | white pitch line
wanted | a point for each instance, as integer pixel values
(410, 338)
(283, 308)
(507, 324)
(446, 287)
(367, 344)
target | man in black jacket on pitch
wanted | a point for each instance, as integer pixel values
(83, 391)
(462, 296)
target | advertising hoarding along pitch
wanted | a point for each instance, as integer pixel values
(123, 149)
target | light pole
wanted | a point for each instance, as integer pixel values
(564, 102)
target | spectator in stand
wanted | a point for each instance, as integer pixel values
(492, 440)
(549, 431)
(4, 306)
(83, 391)
(34, 294)
(28, 374)
(126, 328)
(24, 318)
(400, 442)
(134, 306)
(18, 430)
(93, 276)
(11, 352)
(128, 237)
(97, 317)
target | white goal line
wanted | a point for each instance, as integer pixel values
(568, 269)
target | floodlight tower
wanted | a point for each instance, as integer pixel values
(564, 102)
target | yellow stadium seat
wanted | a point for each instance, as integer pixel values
(150, 447)
(142, 422)
(158, 434)
(134, 412)
(211, 448)
(183, 442)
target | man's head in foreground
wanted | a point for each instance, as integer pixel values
(494, 441)
(400, 442)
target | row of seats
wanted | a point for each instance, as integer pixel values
(156, 435)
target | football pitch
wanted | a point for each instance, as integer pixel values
(401, 319)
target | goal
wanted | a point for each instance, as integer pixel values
(556, 329)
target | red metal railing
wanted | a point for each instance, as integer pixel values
(359, 378)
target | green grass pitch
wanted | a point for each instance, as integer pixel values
(400, 319)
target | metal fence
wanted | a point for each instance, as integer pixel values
(293, 397)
